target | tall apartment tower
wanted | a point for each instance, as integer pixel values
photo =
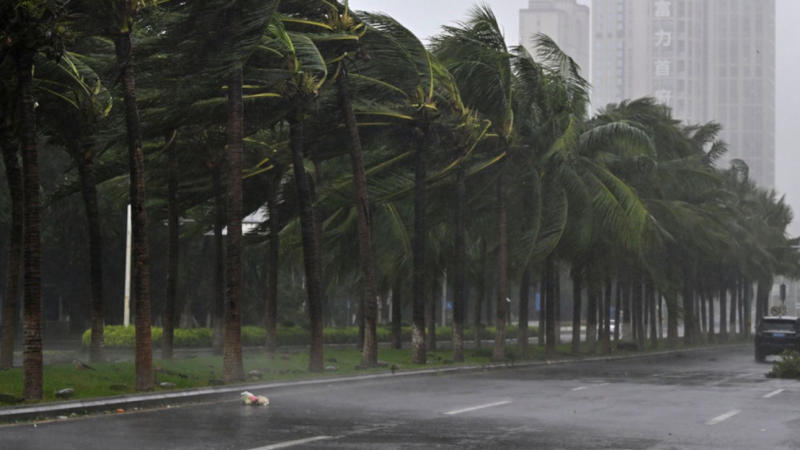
(707, 59)
(565, 21)
(741, 93)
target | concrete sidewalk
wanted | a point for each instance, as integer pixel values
(231, 392)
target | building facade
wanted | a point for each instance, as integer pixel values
(565, 21)
(706, 59)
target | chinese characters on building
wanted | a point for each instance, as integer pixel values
(662, 46)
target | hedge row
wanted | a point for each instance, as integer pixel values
(117, 336)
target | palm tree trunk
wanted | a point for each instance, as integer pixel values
(639, 301)
(618, 310)
(89, 192)
(734, 307)
(397, 312)
(710, 325)
(498, 354)
(672, 319)
(219, 261)
(460, 263)
(524, 299)
(15, 246)
(591, 316)
(762, 298)
(430, 314)
(233, 369)
(605, 318)
(316, 182)
(556, 303)
(723, 310)
(688, 309)
(702, 313)
(660, 301)
(627, 309)
(481, 294)
(32, 370)
(650, 296)
(369, 353)
(141, 267)
(540, 332)
(420, 197)
(576, 310)
(740, 307)
(747, 307)
(272, 266)
(311, 253)
(550, 310)
(173, 249)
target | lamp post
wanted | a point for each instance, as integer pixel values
(126, 321)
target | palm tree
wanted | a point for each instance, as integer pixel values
(15, 237)
(28, 28)
(345, 30)
(15, 248)
(75, 104)
(476, 54)
(173, 250)
(406, 78)
(126, 10)
(305, 72)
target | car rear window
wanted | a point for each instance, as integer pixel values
(778, 325)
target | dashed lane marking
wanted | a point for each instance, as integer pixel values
(773, 393)
(294, 443)
(475, 408)
(581, 388)
(723, 417)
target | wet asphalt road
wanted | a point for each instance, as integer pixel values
(712, 399)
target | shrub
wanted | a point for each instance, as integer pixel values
(118, 336)
(787, 367)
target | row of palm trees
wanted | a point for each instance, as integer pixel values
(464, 155)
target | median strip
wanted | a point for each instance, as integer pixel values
(723, 417)
(475, 408)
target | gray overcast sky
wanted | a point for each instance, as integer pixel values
(425, 17)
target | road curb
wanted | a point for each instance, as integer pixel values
(131, 401)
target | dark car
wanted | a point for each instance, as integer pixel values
(776, 334)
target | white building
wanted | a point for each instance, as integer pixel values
(565, 21)
(707, 59)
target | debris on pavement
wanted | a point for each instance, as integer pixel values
(65, 393)
(256, 400)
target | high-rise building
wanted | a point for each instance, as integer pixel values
(565, 21)
(741, 90)
(707, 59)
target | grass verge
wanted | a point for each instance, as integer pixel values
(117, 378)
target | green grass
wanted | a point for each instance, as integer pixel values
(118, 336)
(109, 379)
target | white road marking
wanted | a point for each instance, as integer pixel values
(475, 408)
(723, 417)
(773, 393)
(581, 388)
(287, 444)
